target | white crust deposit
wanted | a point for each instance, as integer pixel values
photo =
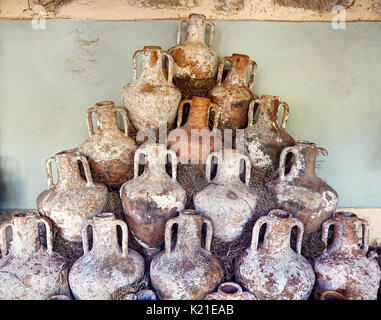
(151, 99)
(274, 271)
(72, 200)
(345, 266)
(300, 191)
(152, 198)
(188, 271)
(29, 271)
(265, 139)
(197, 60)
(106, 267)
(227, 201)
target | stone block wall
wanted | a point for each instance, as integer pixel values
(268, 10)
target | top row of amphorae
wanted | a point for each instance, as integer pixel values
(194, 68)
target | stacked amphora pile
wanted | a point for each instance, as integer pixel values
(199, 183)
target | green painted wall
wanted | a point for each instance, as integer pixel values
(330, 78)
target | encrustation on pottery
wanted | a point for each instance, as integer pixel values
(272, 270)
(105, 266)
(345, 266)
(188, 271)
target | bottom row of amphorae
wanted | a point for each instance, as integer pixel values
(186, 269)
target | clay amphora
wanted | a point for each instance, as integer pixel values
(195, 63)
(104, 267)
(273, 270)
(264, 140)
(152, 98)
(193, 141)
(150, 199)
(344, 265)
(227, 201)
(233, 95)
(230, 291)
(59, 297)
(110, 152)
(28, 271)
(72, 200)
(141, 295)
(300, 191)
(332, 295)
(188, 271)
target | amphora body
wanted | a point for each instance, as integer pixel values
(234, 94)
(344, 266)
(273, 270)
(152, 198)
(28, 271)
(195, 63)
(151, 99)
(264, 139)
(105, 267)
(188, 271)
(109, 150)
(300, 191)
(73, 199)
(227, 201)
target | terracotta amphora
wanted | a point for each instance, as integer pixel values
(345, 266)
(300, 191)
(29, 271)
(230, 291)
(227, 201)
(272, 270)
(195, 63)
(140, 295)
(110, 151)
(264, 139)
(73, 199)
(332, 295)
(151, 99)
(188, 271)
(234, 94)
(193, 141)
(152, 198)
(105, 266)
(59, 297)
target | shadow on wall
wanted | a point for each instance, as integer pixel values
(11, 186)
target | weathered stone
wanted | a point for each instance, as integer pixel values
(332, 295)
(51, 6)
(230, 6)
(233, 95)
(193, 141)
